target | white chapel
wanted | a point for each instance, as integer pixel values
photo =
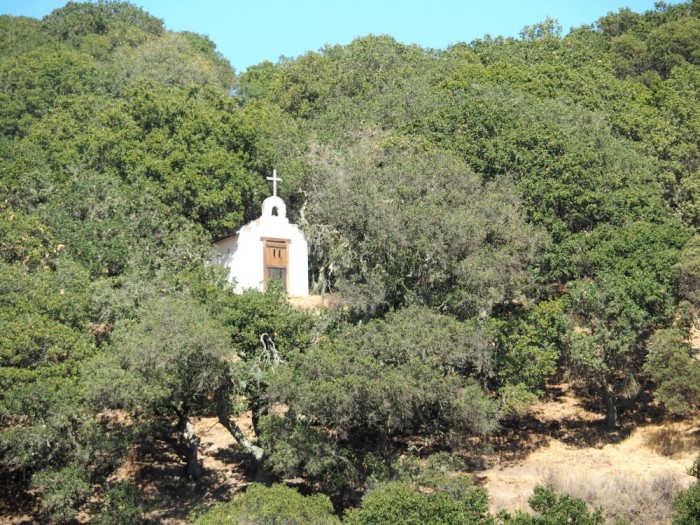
(267, 248)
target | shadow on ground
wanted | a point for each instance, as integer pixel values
(161, 474)
(576, 418)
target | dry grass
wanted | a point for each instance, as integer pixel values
(633, 473)
(673, 440)
(643, 500)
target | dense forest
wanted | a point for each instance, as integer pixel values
(493, 217)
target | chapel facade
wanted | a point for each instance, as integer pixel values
(267, 248)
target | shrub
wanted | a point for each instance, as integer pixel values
(122, 506)
(275, 505)
(401, 504)
(687, 506)
(555, 509)
(62, 491)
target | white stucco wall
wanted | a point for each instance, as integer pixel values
(243, 252)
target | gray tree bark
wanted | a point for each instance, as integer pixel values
(610, 409)
(190, 441)
(234, 429)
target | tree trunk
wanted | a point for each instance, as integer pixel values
(255, 418)
(190, 442)
(257, 411)
(236, 432)
(610, 409)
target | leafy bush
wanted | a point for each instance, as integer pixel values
(674, 369)
(123, 506)
(555, 509)
(687, 506)
(275, 505)
(401, 504)
(61, 491)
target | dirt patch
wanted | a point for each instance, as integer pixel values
(160, 473)
(315, 302)
(563, 444)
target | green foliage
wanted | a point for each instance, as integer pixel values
(292, 446)
(77, 19)
(616, 24)
(410, 374)
(170, 358)
(606, 348)
(549, 28)
(567, 179)
(113, 230)
(189, 148)
(365, 68)
(95, 165)
(413, 227)
(445, 473)
(32, 83)
(56, 429)
(671, 364)
(562, 508)
(632, 58)
(401, 375)
(123, 506)
(24, 239)
(251, 314)
(174, 59)
(638, 250)
(265, 331)
(687, 270)
(19, 35)
(274, 505)
(554, 509)
(163, 367)
(631, 296)
(195, 149)
(694, 469)
(44, 314)
(675, 42)
(256, 81)
(399, 503)
(62, 491)
(529, 348)
(26, 179)
(686, 506)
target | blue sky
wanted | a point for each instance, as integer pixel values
(248, 32)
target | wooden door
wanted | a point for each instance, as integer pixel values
(276, 260)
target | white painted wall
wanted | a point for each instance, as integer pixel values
(243, 252)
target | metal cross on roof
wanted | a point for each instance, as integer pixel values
(275, 179)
